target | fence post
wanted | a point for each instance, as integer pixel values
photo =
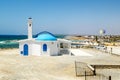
(94, 72)
(109, 77)
(76, 68)
(85, 75)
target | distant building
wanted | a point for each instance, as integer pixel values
(45, 43)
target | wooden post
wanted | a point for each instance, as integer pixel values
(109, 77)
(85, 75)
(76, 68)
(111, 51)
(94, 72)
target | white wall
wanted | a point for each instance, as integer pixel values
(21, 46)
(36, 49)
(52, 48)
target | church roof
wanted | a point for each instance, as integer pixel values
(45, 36)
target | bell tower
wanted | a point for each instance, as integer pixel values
(30, 28)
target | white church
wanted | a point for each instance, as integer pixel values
(45, 43)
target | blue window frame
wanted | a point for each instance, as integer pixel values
(44, 47)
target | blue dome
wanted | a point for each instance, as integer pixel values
(45, 36)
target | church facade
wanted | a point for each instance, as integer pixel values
(45, 43)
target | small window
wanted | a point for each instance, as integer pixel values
(21, 52)
(61, 45)
(52, 42)
(44, 47)
(30, 25)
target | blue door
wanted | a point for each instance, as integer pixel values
(25, 50)
(44, 47)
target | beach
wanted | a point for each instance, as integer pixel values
(14, 66)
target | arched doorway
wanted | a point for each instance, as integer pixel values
(25, 50)
(45, 47)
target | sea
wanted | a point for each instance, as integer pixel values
(12, 41)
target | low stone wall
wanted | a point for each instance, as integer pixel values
(114, 50)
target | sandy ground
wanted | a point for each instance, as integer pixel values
(14, 66)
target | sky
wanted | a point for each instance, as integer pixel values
(83, 17)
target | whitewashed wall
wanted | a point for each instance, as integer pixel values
(21, 46)
(51, 48)
(36, 49)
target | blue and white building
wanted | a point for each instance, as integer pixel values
(45, 43)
